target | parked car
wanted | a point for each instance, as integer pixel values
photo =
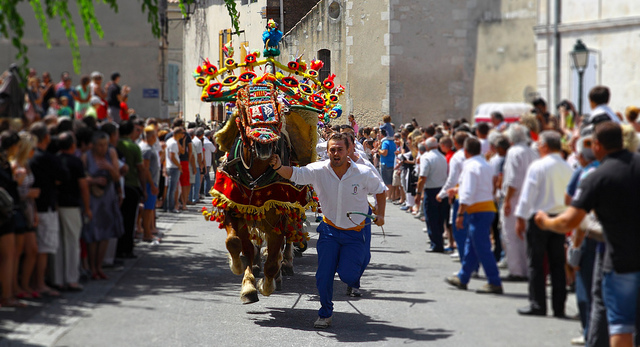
(511, 111)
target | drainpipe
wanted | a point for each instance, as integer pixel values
(282, 15)
(558, 55)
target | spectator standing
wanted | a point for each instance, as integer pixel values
(134, 179)
(600, 111)
(8, 147)
(103, 175)
(196, 140)
(387, 160)
(612, 192)
(125, 111)
(100, 93)
(114, 98)
(477, 210)
(209, 150)
(152, 169)
(173, 168)
(83, 94)
(63, 76)
(353, 124)
(518, 159)
(73, 204)
(47, 171)
(48, 91)
(455, 168)
(432, 177)
(67, 91)
(544, 187)
(26, 243)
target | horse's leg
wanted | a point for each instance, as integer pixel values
(234, 245)
(267, 284)
(287, 260)
(248, 294)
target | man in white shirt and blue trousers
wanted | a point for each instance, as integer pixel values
(477, 210)
(342, 186)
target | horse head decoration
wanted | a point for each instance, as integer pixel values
(274, 114)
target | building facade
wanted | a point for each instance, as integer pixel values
(610, 30)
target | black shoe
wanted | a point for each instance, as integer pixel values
(530, 311)
(515, 278)
(435, 250)
(560, 315)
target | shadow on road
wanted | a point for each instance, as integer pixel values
(347, 327)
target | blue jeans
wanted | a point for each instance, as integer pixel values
(478, 248)
(194, 191)
(584, 281)
(207, 180)
(174, 180)
(620, 293)
(342, 251)
(435, 214)
(459, 235)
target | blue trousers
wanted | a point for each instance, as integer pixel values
(194, 191)
(459, 235)
(341, 251)
(435, 215)
(477, 248)
(174, 181)
(366, 232)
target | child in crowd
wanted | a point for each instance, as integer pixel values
(387, 126)
(65, 110)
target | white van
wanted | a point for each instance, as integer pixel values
(511, 111)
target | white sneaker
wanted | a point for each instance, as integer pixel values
(578, 341)
(454, 255)
(322, 323)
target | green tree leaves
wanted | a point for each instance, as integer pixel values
(12, 23)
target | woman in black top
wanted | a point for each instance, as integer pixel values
(8, 146)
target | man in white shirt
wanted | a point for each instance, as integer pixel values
(544, 188)
(173, 169)
(432, 176)
(482, 132)
(342, 186)
(209, 150)
(455, 168)
(194, 193)
(517, 161)
(477, 210)
(359, 158)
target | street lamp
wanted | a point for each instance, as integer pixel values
(580, 57)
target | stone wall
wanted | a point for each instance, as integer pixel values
(129, 49)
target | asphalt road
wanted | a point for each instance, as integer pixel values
(182, 293)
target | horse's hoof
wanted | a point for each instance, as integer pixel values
(262, 289)
(235, 266)
(279, 285)
(256, 270)
(249, 297)
(287, 270)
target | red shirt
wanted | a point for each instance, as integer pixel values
(124, 111)
(449, 155)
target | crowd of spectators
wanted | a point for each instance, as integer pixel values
(79, 190)
(517, 169)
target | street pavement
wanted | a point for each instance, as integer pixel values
(182, 293)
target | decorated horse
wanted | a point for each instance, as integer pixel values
(274, 114)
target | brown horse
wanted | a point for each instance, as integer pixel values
(253, 203)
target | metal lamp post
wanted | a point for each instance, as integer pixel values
(580, 57)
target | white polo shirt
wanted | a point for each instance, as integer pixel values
(209, 149)
(455, 168)
(172, 147)
(339, 196)
(476, 181)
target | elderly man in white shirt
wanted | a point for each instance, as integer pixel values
(477, 210)
(544, 189)
(517, 161)
(432, 176)
(455, 168)
(342, 186)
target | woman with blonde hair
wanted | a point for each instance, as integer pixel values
(27, 217)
